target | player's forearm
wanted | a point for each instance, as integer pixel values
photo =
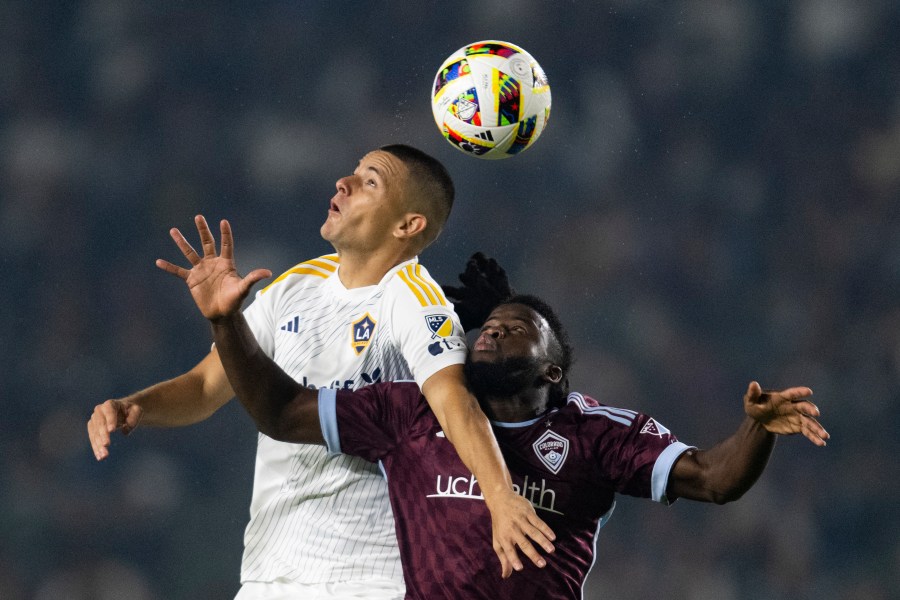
(186, 399)
(468, 429)
(281, 408)
(734, 465)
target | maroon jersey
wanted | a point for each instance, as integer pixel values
(569, 463)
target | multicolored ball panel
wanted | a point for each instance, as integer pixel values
(506, 91)
(491, 99)
(450, 73)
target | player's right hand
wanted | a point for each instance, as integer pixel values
(216, 286)
(108, 417)
(484, 286)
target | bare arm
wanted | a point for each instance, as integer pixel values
(184, 400)
(468, 429)
(282, 409)
(726, 471)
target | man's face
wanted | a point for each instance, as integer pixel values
(368, 204)
(511, 353)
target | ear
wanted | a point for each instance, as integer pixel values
(411, 225)
(553, 373)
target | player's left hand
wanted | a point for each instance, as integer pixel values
(217, 288)
(514, 527)
(785, 412)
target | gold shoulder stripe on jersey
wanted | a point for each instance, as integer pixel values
(426, 292)
(413, 287)
(438, 292)
(322, 267)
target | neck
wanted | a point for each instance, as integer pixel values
(515, 408)
(361, 269)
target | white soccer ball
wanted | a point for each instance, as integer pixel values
(491, 99)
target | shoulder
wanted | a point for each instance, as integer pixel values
(412, 285)
(311, 271)
(588, 408)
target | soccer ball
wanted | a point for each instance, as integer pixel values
(491, 99)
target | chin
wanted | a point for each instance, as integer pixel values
(326, 231)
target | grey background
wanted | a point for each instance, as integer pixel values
(715, 200)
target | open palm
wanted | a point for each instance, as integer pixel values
(216, 286)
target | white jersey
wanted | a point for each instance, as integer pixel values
(317, 518)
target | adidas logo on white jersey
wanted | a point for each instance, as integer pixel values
(292, 326)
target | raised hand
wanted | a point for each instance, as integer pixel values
(484, 286)
(217, 288)
(785, 412)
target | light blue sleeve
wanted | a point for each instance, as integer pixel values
(328, 420)
(659, 480)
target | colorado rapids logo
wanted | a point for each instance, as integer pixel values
(361, 333)
(552, 449)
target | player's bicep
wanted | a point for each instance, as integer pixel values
(300, 420)
(369, 421)
(688, 478)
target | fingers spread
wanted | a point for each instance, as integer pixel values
(186, 249)
(253, 277)
(227, 240)
(173, 269)
(206, 237)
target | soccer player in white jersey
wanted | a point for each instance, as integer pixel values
(321, 526)
(569, 455)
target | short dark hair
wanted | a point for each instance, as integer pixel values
(432, 191)
(562, 353)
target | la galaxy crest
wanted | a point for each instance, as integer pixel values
(361, 332)
(552, 449)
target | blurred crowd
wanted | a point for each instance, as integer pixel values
(716, 199)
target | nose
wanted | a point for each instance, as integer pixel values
(494, 332)
(343, 185)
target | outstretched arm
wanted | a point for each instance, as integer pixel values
(282, 408)
(183, 400)
(515, 523)
(726, 471)
(189, 398)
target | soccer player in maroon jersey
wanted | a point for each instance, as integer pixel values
(568, 454)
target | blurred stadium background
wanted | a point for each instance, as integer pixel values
(715, 200)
